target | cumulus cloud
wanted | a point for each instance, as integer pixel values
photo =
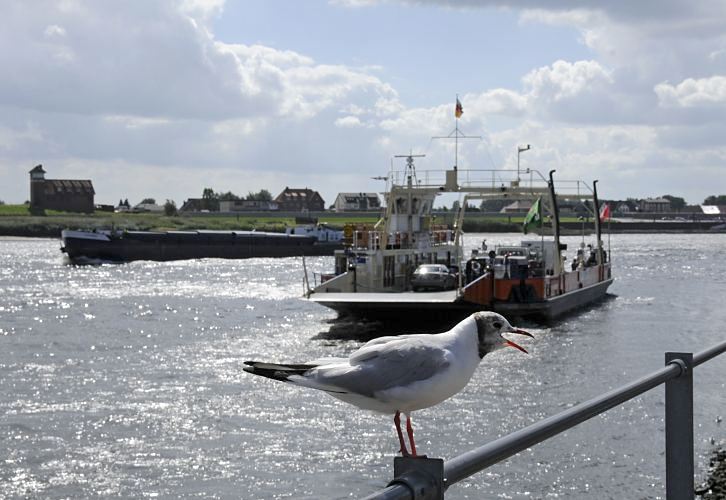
(85, 59)
(103, 89)
(348, 122)
(692, 92)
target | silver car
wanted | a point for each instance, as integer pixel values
(432, 277)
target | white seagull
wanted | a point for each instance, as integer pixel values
(404, 373)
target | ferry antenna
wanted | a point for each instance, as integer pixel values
(457, 134)
(410, 168)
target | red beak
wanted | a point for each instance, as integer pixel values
(515, 345)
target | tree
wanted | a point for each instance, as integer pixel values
(228, 196)
(210, 200)
(148, 201)
(208, 194)
(715, 200)
(170, 208)
(677, 203)
(261, 195)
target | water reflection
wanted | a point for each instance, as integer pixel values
(126, 381)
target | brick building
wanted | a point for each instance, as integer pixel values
(299, 200)
(59, 194)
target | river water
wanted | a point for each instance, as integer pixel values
(126, 381)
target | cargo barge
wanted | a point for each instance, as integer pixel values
(125, 246)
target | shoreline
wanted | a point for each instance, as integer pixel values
(50, 226)
(55, 232)
(714, 487)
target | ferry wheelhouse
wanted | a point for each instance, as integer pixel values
(373, 272)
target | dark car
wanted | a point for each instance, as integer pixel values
(432, 277)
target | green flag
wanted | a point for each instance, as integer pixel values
(534, 216)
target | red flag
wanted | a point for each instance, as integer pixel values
(459, 109)
(605, 212)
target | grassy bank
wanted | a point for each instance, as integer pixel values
(15, 220)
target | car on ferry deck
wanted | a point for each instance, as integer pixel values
(432, 277)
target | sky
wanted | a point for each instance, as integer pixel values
(163, 98)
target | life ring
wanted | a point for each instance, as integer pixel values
(476, 267)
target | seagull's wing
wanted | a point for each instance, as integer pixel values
(374, 347)
(393, 364)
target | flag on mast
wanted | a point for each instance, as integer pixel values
(459, 109)
(605, 212)
(534, 216)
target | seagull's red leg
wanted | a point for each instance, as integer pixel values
(397, 421)
(409, 430)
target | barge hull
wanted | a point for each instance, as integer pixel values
(192, 245)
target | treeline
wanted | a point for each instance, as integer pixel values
(211, 199)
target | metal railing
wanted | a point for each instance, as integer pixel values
(422, 478)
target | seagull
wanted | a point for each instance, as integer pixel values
(401, 374)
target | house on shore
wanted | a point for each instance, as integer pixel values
(517, 208)
(247, 206)
(353, 202)
(658, 205)
(68, 195)
(300, 200)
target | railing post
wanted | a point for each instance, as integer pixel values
(424, 477)
(679, 429)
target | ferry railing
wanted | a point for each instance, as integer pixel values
(428, 479)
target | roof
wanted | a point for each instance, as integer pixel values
(519, 205)
(295, 194)
(192, 204)
(713, 209)
(37, 168)
(69, 186)
(359, 195)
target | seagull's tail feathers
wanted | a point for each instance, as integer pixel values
(276, 371)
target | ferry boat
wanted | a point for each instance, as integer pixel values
(83, 247)
(373, 273)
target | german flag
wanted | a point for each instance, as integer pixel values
(459, 109)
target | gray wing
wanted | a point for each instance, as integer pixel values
(395, 364)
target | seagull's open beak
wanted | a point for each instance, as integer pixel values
(514, 344)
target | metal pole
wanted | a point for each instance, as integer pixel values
(677, 374)
(679, 429)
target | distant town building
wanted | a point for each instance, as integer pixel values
(193, 205)
(299, 200)
(622, 208)
(147, 207)
(59, 194)
(247, 206)
(713, 209)
(657, 205)
(348, 202)
(517, 207)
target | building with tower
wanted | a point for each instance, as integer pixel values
(59, 194)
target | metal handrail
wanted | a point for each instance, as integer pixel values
(473, 461)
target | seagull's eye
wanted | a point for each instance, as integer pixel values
(497, 325)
